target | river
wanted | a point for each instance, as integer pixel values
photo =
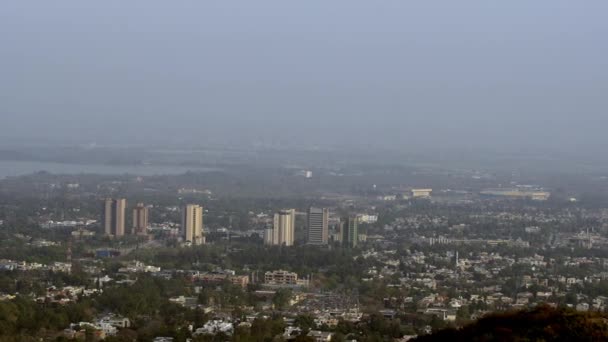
(10, 168)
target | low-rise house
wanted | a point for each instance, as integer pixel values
(184, 301)
(215, 326)
(115, 321)
(320, 336)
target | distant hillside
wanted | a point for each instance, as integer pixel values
(540, 324)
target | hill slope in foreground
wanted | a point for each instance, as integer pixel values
(542, 323)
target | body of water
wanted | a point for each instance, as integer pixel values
(18, 168)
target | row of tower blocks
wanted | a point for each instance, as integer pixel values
(282, 232)
(114, 220)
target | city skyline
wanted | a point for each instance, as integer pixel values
(309, 171)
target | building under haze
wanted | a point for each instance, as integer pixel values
(140, 219)
(421, 193)
(192, 224)
(114, 216)
(349, 231)
(318, 230)
(283, 229)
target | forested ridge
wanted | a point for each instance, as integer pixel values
(542, 323)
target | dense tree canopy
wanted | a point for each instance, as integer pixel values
(540, 324)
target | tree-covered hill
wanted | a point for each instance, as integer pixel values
(542, 323)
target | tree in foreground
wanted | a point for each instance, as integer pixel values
(542, 323)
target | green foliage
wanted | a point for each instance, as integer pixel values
(17, 250)
(24, 316)
(305, 322)
(282, 298)
(142, 298)
(338, 263)
(540, 324)
(224, 295)
(265, 329)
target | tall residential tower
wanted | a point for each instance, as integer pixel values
(114, 217)
(283, 230)
(350, 232)
(192, 224)
(140, 219)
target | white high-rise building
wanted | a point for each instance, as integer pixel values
(283, 230)
(192, 224)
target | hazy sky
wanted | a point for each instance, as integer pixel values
(388, 73)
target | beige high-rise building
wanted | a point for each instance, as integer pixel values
(269, 236)
(114, 216)
(192, 224)
(140, 219)
(107, 216)
(283, 230)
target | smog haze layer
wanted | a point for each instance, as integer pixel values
(508, 77)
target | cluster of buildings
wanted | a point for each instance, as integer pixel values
(440, 283)
(412, 193)
(65, 295)
(69, 223)
(282, 232)
(114, 218)
(56, 266)
(135, 266)
(515, 193)
(282, 278)
(219, 276)
(100, 329)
